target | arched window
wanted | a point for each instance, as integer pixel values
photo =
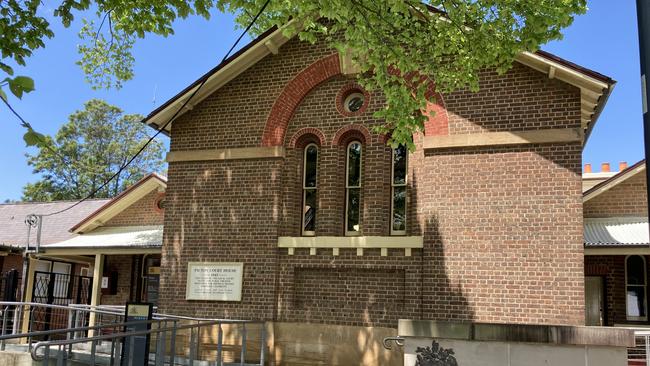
(309, 187)
(635, 286)
(353, 188)
(398, 191)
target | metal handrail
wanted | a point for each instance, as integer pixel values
(54, 306)
(38, 333)
(194, 343)
(118, 334)
(156, 315)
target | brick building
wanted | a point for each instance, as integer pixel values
(116, 246)
(617, 248)
(101, 252)
(275, 165)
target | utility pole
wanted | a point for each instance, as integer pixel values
(643, 18)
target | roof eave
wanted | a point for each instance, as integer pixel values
(90, 222)
(265, 44)
(608, 184)
(595, 88)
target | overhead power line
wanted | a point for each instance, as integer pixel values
(162, 128)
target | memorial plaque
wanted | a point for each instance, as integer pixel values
(217, 281)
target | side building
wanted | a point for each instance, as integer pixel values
(617, 249)
(102, 252)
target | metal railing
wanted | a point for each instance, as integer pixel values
(638, 355)
(30, 316)
(175, 340)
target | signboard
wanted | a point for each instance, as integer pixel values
(217, 281)
(135, 349)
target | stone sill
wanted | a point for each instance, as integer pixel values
(350, 242)
(525, 333)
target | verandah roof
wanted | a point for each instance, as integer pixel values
(118, 237)
(616, 232)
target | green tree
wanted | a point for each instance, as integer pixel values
(402, 46)
(87, 150)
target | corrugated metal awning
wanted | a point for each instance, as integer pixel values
(114, 237)
(616, 232)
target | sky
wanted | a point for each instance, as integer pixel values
(604, 39)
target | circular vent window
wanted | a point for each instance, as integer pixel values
(353, 102)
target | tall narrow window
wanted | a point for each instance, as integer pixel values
(398, 191)
(353, 189)
(635, 283)
(310, 203)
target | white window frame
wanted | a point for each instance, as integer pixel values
(645, 290)
(392, 193)
(348, 187)
(305, 189)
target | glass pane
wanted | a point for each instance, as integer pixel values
(399, 165)
(311, 157)
(636, 301)
(354, 164)
(399, 208)
(353, 209)
(309, 210)
(635, 270)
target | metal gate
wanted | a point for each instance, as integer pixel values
(57, 289)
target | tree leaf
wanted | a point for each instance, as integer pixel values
(15, 88)
(33, 138)
(26, 83)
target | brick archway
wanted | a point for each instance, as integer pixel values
(352, 128)
(293, 93)
(307, 131)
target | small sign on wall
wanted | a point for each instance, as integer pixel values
(216, 281)
(105, 282)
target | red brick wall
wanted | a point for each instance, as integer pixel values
(502, 226)
(503, 234)
(625, 199)
(122, 264)
(12, 261)
(140, 213)
(522, 99)
(222, 212)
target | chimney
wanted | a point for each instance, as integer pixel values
(622, 166)
(604, 167)
(587, 168)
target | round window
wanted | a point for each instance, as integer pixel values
(159, 203)
(353, 102)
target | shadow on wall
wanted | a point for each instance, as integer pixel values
(441, 298)
(222, 211)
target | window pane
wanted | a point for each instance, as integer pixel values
(311, 157)
(636, 301)
(399, 165)
(354, 164)
(635, 270)
(309, 210)
(353, 209)
(399, 208)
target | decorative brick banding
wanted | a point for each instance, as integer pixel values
(438, 124)
(359, 131)
(304, 132)
(292, 95)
